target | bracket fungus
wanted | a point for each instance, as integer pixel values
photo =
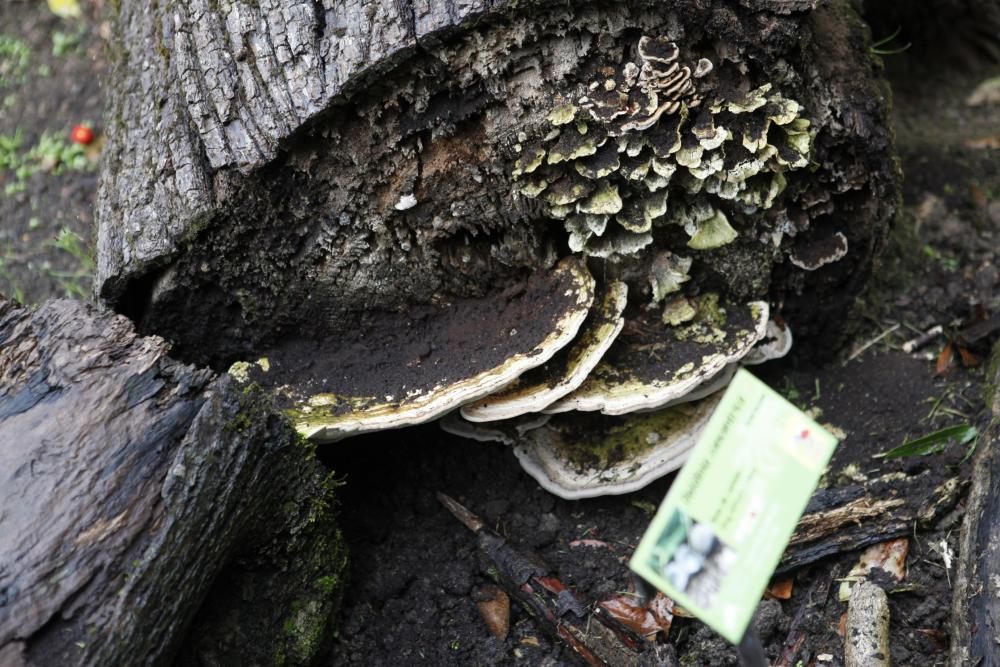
(576, 456)
(651, 171)
(541, 386)
(396, 371)
(505, 211)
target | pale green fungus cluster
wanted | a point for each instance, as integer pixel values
(645, 147)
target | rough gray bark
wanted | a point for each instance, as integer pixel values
(129, 482)
(975, 610)
(258, 153)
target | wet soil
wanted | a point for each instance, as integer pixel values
(415, 571)
(46, 211)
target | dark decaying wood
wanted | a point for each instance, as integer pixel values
(975, 620)
(278, 168)
(128, 483)
(842, 519)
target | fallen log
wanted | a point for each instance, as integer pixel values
(975, 606)
(135, 489)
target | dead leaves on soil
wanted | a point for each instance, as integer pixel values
(645, 621)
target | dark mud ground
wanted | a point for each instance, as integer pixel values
(415, 569)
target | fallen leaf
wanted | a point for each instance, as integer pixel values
(969, 360)
(681, 612)
(494, 607)
(67, 9)
(531, 641)
(888, 556)
(983, 142)
(644, 621)
(944, 360)
(933, 443)
(842, 625)
(779, 590)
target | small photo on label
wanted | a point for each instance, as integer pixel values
(692, 558)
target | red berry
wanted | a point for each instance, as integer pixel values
(81, 134)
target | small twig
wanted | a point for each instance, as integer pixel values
(860, 350)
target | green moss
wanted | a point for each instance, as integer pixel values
(328, 584)
(304, 630)
(634, 435)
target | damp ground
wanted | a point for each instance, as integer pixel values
(415, 571)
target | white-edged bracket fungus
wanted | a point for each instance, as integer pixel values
(582, 456)
(507, 432)
(654, 364)
(811, 255)
(639, 149)
(416, 377)
(567, 370)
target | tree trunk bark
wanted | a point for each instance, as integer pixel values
(294, 168)
(130, 483)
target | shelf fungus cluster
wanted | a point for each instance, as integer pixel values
(601, 370)
(644, 147)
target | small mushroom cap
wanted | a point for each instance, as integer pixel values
(567, 370)
(583, 456)
(651, 364)
(814, 253)
(404, 369)
(776, 343)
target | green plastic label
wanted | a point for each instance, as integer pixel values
(728, 516)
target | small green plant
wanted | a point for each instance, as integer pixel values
(15, 57)
(51, 154)
(55, 154)
(75, 283)
(67, 43)
(8, 286)
(949, 263)
(10, 146)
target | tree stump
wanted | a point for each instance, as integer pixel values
(280, 170)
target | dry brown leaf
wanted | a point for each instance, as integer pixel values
(889, 556)
(983, 142)
(779, 590)
(494, 606)
(842, 625)
(644, 621)
(944, 359)
(969, 360)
